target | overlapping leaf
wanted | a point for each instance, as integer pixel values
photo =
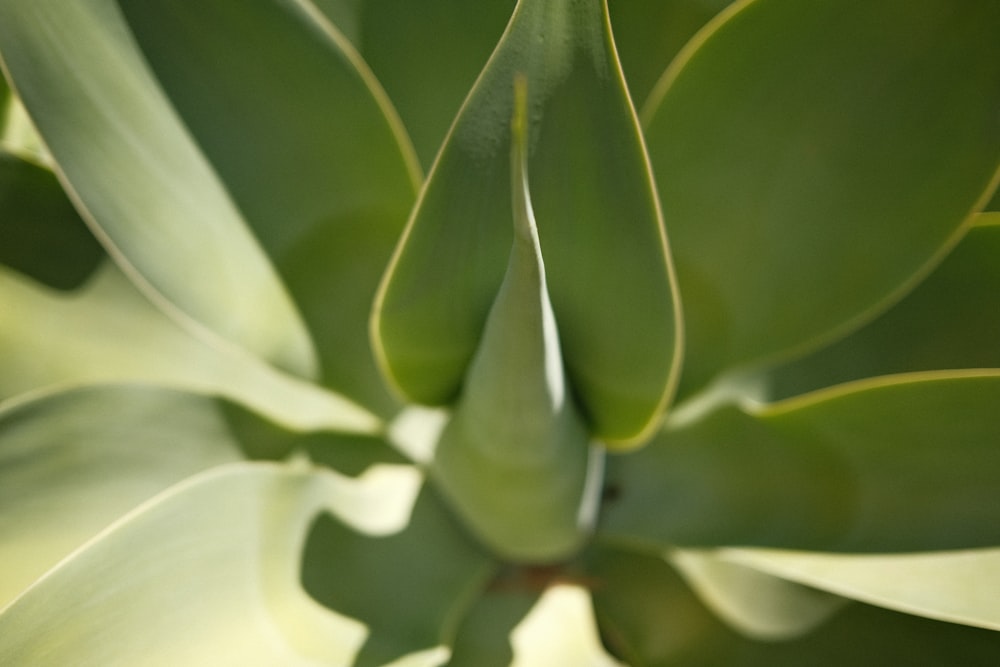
(67, 469)
(799, 150)
(315, 158)
(598, 223)
(906, 463)
(206, 572)
(62, 256)
(650, 33)
(426, 84)
(108, 332)
(649, 616)
(155, 200)
(951, 320)
(411, 589)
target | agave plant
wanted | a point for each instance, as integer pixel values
(367, 332)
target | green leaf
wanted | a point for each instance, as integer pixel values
(64, 253)
(206, 572)
(152, 196)
(426, 84)
(68, 468)
(648, 617)
(948, 586)
(560, 629)
(951, 320)
(856, 468)
(77, 338)
(522, 483)
(598, 223)
(483, 638)
(410, 588)
(316, 159)
(753, 602)
(650, 33)
(798, 150)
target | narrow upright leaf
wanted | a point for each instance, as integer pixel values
(598, 225)
(515, 456)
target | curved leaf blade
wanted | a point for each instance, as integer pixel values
(949, 321)
(798, 149)
(600, 231)
(755, 603)
(80, 338)
(68, 470)
(205, 571)
(650, 618)
(316, 159)
(857, 468)
(409, 588)
(947, 586)
(31, 197)
(154, 200)
(427, 85)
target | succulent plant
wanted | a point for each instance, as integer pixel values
(368, 332)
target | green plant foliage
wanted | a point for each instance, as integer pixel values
(272, 395)
(765, 156)
(589, 179)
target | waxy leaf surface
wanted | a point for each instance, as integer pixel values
(68, 469)
(598, 223)
(108, 332)
(206, 573)
(814, 160)
(315, 158)
(904, 463)
(950, 320)
(155, 200)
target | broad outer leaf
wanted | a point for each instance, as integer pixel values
(950, 320)
(206, 573)
(958, 587)
(410, 588)
(308, 146)
(904, 463)
(73, 462)
(798, 150)
(41, 234)
(133, 169)
(650, 619)
(600, 232)
(560, 630)
(757, 604)
(108, 332)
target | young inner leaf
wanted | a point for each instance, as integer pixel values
(514, 456)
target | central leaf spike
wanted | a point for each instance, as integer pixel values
(607, 268)
(515, 456)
